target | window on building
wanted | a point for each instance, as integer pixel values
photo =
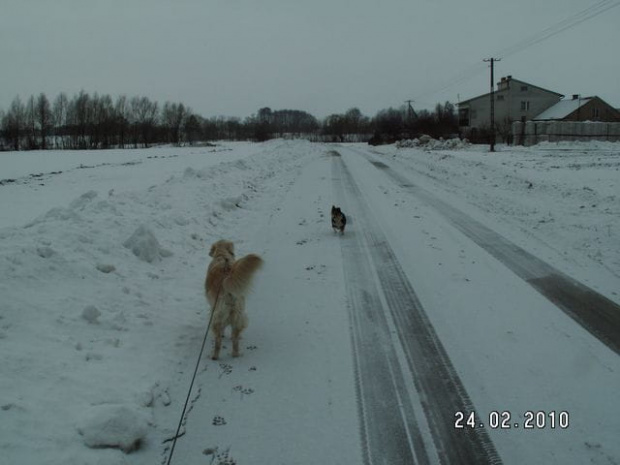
(464, 117)
(525, 105)
(595, 113)
(524, 88)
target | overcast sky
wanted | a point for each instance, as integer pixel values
(232, 57)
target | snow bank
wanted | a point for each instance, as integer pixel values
(573, 145)
(120, 426)
(433, 144)
(91, 314)
(145, 245)
(83, 200)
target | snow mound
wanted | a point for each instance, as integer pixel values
(189, 173)
(118, 426)
(145, 245)
(104, 206)
(56, 213)
(105, 268)
(232, 203)
(91, 314)
(45, 252)
(428, 142)
(83, 200)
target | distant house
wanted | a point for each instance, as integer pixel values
(580, 109)
(576, 119)
(515, 100)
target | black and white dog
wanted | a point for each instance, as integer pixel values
(339, 220)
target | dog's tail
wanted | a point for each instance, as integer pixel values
(240, 277)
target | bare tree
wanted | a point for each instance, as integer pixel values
(446, 121)
(192, 128)
(101, 122)
(211, 130)
(93, 121)
(390, 123)
(144, 117)
(234, 129)
(122, 114)
(44, 118)
(107, 119)
(425, 123)
(173, 118)
(31, 125)
(504, 129)
(261, 126)
(356, 125)
(293, 123)
(13, 123)
(334, 127)
(59, 111)
(3, 140)
(80, 117)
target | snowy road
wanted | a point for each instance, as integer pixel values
(596, 313)
(440, 393)
(593, 311)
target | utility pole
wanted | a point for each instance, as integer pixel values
(410, 111)
(411, 114)
(492, 61)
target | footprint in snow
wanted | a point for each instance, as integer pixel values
(225, 369)
(220, 458)
(243, 391)
(319, 269)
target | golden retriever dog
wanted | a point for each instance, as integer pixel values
(226, 286)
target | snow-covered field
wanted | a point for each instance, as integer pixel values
(566, 194)
(102, 312)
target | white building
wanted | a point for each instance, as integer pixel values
(514, 101)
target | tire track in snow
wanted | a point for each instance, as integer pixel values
(389, 429)
(596, 313)
(439, 391)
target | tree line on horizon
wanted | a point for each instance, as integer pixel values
(86, 121)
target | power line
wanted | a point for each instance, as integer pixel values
(463, 76)
(567, 23)
(555, 29)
